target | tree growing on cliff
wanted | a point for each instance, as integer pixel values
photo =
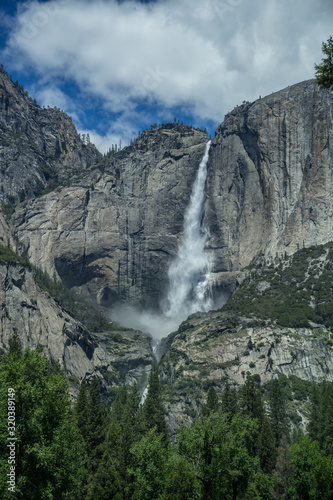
(324, 71)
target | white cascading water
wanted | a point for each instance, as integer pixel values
(189, 288)
(189, 285)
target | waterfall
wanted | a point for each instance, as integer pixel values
(189, 289)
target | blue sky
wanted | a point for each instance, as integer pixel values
(119, 66)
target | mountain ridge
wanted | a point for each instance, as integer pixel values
(110, 229)
(40, 148)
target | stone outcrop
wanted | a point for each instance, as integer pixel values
(115, 239)
(116, 357)
(270, 183)
(39, 147)
(209, 349)
(6, 238)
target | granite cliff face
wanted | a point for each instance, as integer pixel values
(269, 191)
(270, 184)
(114, 238)
(210, 349)
(277, 323)
(39, 148)
(115, 357)
(111, 226)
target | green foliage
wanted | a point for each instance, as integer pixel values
(313, 472)
(230, 451)
(212, 403)
(9, 257)
(321, 412)
(267, 446)
(324, 71)
(15, 346)
(82, 410)
(181, 483)
(153, 408)
(8, 209)
(251, 401)
(76, 306)
(300, 290)
(278, 411)
(284, 470)
(106, 483)
(148, 467)
(229, 404)
(301, 389)
(126, 427)
(48, 448)
(221, 454)
(96, 424)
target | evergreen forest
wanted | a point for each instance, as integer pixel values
(242, 446)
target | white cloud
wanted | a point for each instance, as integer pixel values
(120, 130)
(205, 56)
(54, 97)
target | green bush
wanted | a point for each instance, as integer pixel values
(9, 257)
(79, 308)
(8, 209)
(294, 285)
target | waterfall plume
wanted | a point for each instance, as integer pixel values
(189, 288)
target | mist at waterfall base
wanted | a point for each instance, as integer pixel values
(155, 322)
(190, 288)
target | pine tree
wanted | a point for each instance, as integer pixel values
(106, 484)
(181, 484)
(251, 400)
(133, 415)
(326, 434)
(153, 408)
(117, 409)
(15, 345)
(266, 447)
(316, 413)
(96, 424)
(212, 403)
(81, 412)
(278, 411)
(81, 409)
(124, 430)
(229, 402)
(313, 471)
(149, 466)
(130, 425)
(324, 71)
(284, 469)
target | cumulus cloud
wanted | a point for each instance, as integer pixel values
(54, 97)
(203, 57)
